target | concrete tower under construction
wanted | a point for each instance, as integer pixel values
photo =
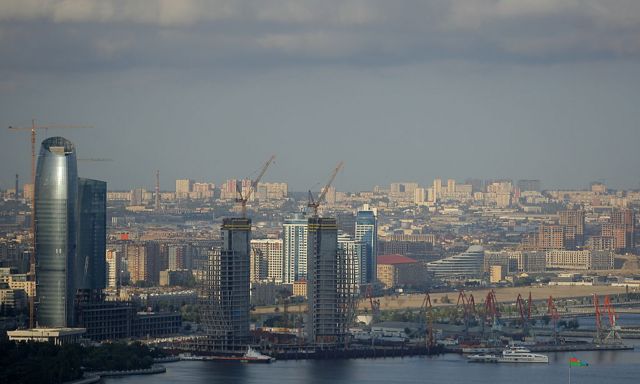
(330, 284)
(225, 295)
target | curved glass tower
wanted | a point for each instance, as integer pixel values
(56, 187)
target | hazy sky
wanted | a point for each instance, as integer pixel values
(399, 90)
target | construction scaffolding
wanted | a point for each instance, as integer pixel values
(224, 294)
(332, 287)
(348, 290)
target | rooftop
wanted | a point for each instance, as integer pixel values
(395, 259)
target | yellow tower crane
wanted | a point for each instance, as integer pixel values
(315, 204)
(254, 185)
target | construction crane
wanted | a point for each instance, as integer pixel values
(462, 298)
(427, 310)
(553, 312)
(526, 318)
(373, 303)
(254, 185)
(33, 128)
(613, 335)
(491, 311)
(315, 204)
(32, 267)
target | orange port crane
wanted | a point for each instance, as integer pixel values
(427, 309)
(524, 316)
(468, 309)
(613, 326)
(254, 185)
(553, 312)
(374, 303)
(315, 204)
(32, 267)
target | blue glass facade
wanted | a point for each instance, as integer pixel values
(90, 266)
(367, 233)
(56, 188)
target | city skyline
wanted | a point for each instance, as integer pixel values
(488, 89)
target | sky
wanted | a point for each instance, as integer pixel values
(404, 90)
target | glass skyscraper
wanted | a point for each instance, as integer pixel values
(367, 233)
(92, 227)
(70, 233)
(225, 301)
(56, 187)
(294, 249)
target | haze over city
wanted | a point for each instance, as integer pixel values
(400, 91)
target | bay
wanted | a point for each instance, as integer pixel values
(604, 367)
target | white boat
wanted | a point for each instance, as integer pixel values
(483, 358)
(510, 355)
(521, 355)
(189, 357)
(251, 356)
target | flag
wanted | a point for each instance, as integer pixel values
(574, 362)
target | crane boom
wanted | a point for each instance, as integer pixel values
(315, 204)
(254, 185)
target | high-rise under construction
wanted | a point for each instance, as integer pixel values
(330, 284)
(225, 294)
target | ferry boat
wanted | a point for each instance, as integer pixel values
(251, 356)
(510, 355)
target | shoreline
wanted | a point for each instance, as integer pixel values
(95, 377)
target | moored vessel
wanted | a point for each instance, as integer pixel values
(510, 355)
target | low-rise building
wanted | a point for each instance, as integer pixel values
(399, 271)
(57, 336)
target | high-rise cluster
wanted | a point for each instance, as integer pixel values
(70, 233)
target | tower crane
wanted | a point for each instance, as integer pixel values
(32, 267)
(315, 204)
(254, 185)
(33, 128)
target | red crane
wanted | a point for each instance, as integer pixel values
(596, 306)
(525, 319)
(553, 312)
(374, 303)
(468, 308)
(491, 310)
(613, 327)
(428, 310)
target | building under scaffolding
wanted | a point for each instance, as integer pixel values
(331, 286)
(225, 291)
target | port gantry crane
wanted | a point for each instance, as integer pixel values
(243, 199)
(553, 312)
(315, 204)
(468, 309)
(32, 262)
(612, 336)
(614, 328)
(491, 312)
(521, 309)
(427, 311)
(373, 303)
(596, 307)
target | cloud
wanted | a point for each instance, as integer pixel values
(375, 32)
